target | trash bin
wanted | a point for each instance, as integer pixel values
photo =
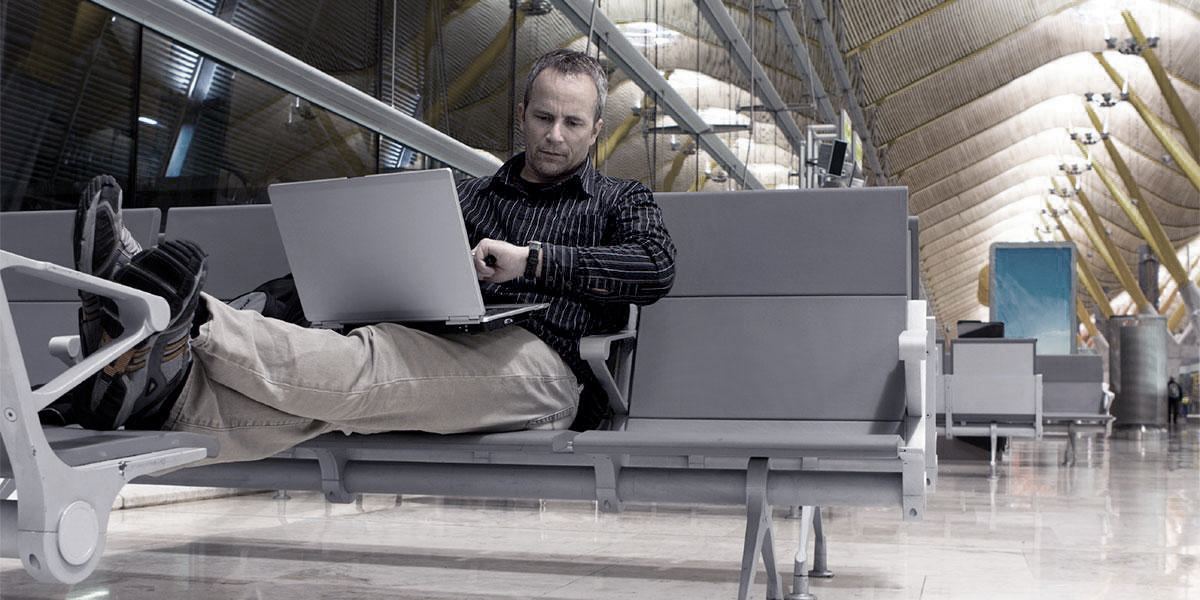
(1138, 370)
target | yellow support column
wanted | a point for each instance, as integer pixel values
(1178, 110)
(1180, 154)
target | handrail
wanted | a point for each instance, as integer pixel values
(209, 35)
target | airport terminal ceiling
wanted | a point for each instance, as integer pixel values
(970, 104)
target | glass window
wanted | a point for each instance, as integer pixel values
(66, 101)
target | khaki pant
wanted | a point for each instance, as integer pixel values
(262, 385)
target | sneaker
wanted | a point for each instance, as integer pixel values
(137, 390)
(102, 245)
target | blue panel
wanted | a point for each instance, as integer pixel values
(1032, 292)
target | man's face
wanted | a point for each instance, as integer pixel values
(559, 125)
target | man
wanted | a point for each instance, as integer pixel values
(1174, 400)
(546, 227)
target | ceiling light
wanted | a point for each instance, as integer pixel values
(1086, 135)
(1075, 168)
(644, 34)
(1130, 45)
(537, 8)
(684, 78)
(1107, 99)
(1064, 192)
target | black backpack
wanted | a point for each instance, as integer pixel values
(276, 298)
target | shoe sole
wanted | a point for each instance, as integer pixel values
(133, 389)
(94, 206)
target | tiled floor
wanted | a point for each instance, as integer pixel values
(1123, 522)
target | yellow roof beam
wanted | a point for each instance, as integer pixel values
(1186, 162)
(1176, 317)
(1098, 234)
(1165, 305)
(1178, 110)
(1080, 310)
(1090, 282)
(606, 148)
(983, 291)
(1086, 319)
(1154, 233)
(84, 23)
(1121, 198)
(703, 178)
(676, 168)
(474, 72)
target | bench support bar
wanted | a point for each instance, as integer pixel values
(809, 518)
(760, 538)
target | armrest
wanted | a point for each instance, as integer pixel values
(141, 314)
(67, 348)
(915, 345)
(57, 525)
(598, 349)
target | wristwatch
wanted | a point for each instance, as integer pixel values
(535, 254)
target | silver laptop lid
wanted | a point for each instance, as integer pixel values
(378, 248)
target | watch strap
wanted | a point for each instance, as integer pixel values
(535, 253)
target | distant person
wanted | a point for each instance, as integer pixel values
(1174, 400)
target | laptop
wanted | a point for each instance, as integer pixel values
(385, 248)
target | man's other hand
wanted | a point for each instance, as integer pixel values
(498, 261)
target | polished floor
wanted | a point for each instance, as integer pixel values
(1122, 522)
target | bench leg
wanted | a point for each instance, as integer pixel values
(333, 466)
(801, 573)
(759, 536)
(992, 463)
(820, 567)
(1069, 453)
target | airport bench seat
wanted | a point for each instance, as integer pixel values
(762, 380)
(993, 391)
(1076, 401)
(66, 479)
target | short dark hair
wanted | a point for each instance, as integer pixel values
(570, 62)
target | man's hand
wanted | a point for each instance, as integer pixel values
(497, 261)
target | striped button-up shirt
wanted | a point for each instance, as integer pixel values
(604, 246)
